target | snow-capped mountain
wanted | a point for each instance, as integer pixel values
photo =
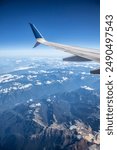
(45, 100)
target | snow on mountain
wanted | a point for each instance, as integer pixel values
(35, 105)
(49, 82)
(38, 82)
(9, 77)
(87, 88)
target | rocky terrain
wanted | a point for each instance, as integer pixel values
(49, 106)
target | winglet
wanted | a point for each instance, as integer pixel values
(36, 44)
(37, 34)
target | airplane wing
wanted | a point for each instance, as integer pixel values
(80, 54)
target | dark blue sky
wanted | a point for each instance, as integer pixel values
(72, 22)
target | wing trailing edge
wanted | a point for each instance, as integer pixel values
(76, 58)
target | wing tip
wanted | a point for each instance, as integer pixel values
(36, 33)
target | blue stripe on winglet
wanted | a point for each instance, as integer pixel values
(37, 34)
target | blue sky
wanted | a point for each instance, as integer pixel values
(72, 22)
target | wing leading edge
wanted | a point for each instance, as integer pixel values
(81, 54)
